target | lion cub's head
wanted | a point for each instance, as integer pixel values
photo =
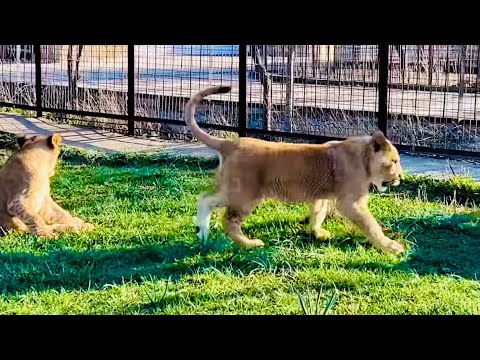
(384, 162)
(48, 146)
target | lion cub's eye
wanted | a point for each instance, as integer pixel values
(394, 161)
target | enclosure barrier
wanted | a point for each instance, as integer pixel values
(424, 97)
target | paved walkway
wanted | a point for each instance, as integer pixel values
(438, 167)
(96, 139)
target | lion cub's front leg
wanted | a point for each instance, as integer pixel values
(34, 222)
(318, 213)
(60, 219)
(358, 212)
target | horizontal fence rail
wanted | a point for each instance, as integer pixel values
(423, 96)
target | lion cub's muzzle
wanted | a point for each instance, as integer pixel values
(391, 183)
(394, 182)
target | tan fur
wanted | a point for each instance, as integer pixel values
(253, 169)
(25, 201)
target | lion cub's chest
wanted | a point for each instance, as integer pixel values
(39, 196)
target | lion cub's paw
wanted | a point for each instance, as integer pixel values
(258, 243)
(80, 225)
(251, 244)
(47, 233)
(58, 228)
(393, 247)
(87, 226)
(322, 234)
(77, 222)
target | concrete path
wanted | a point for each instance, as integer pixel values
(435, 166)
(96, 139)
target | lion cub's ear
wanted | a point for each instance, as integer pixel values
(54, 140)
(379, 140)
(21, 140)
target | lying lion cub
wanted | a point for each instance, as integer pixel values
(252, 169)
(25, 201)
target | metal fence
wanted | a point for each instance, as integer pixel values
(422, 96)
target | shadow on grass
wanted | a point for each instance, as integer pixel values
(69, 269)
(296, 233)
(443, 245)
(93, 269)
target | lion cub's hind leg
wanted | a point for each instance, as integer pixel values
(33, 221)
(61, 220)
(19, 224)
(206, 204)
(318, 213)
(234, 218)
(8, 222)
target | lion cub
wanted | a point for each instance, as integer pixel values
(252, 169)
(25, 201)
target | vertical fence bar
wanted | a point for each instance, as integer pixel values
(131, 90)
(242, 90)
(37, 53)
(430, 64)
(290, 88)
(383, 88)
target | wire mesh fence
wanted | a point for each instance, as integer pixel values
(312, 89)
(17, 74)
(303, 92)
(433, 100)
(166, 76)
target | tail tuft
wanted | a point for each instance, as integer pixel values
(224, 89)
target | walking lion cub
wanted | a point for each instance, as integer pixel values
(25, 201)
(252, 169)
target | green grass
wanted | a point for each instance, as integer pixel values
(143, 257)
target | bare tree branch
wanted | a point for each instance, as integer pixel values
(266, 81)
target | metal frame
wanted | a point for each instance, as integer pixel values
(383, 88)
(242, 129)
(131, 90)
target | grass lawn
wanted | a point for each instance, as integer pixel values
(143, 257)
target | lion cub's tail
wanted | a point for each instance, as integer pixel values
(200, 134)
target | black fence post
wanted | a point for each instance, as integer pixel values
(242, 91)
(383, 88)
(131, 90)
(37, 53)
